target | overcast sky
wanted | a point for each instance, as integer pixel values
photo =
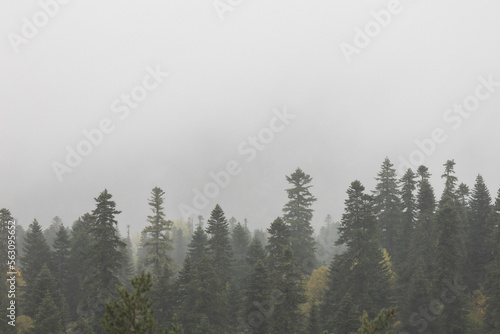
(227, 80)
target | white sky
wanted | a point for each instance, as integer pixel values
(225, 79)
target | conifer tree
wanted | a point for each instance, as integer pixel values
(204, 308)
(219, 244)
(297, 214)
(198, 246)
(48, 318)
(388, 206)
(279, 238)
(492, 282)
(61, 256)
(240, 241)
(255, 252)
(286, 316)
(103, 260)
(50, 233)
(37, 253)
(364, 258)
(257, 299)
(480, 230)
(409, 209)
(80, 244)
(5, 218)
(158, 243)
(449, 259)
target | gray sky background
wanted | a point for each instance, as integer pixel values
(226, 77)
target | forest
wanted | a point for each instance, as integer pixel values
(402, 259)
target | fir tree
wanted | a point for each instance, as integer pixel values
(158, 242)
(279, 238)
(198, 246)
(480, 230)
(37, 253)
(297, 214)
(240, 240)
(61, 256)
(388, 206)
(50, 233)
(48, 318)
(258, 306)
(255, 252)
(103, 260)
(219, 244)
(449, 258)
(5, 218)
(286, 316)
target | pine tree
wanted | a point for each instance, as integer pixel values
(80, 244)
(314, 323)
(204, 309)
(279, 238)
(240, 241)
(258, 306)
(408, 218)
(286, 317)
(255, 252)
(364, 258)
(449, 258)
(346, 319)
(492, 282)
(388, 206)
(158, 242)
(180, 245)
(480, 230)
(103, 260)
(417, 295)
(198, 246)
(37, 254)
(48, 318)
(61, 256)
(131, 313)
(423, 240)
(297, 215)
(45, 291)
(50, 233)
(219, 244)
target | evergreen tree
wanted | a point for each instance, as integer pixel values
(298, 215)
(80, 244)
(158, 242)
(180, 245)
(279, 238)
(219, 244)
(409, 209)
(286, 317)
(255, 252)
(48, 318)
(103, 260)
(314, 323)
(388, 206)
(198, 246)
(346, 319)
(258, 306)
(45, 290)
(418, 294)
(204, 307)
(240, 240)
(492, 281)
(181, 285)
(480, 230)
(449, 254)
(423, 240)
(127, 268)
(50, 233)
(61, 256)
(363, 258)
(37, 253)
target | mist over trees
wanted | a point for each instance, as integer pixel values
(401, 258)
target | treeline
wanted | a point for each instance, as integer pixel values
(436, 262)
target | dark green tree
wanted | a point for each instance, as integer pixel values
(286, 316)
(61, 256)
(255, 252)
(240, 241)
(103, 260)
(198, 246)
(449, 257)
(219, 244)
(158, 243)
(258, 304)
(48, 318)
(480, 230)
(314, 321)
(492, 281)
(388, 207)
(297, 214)
(279, 238)
(37, 253)
(80, 244)
(50, 233)
(364, 258)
